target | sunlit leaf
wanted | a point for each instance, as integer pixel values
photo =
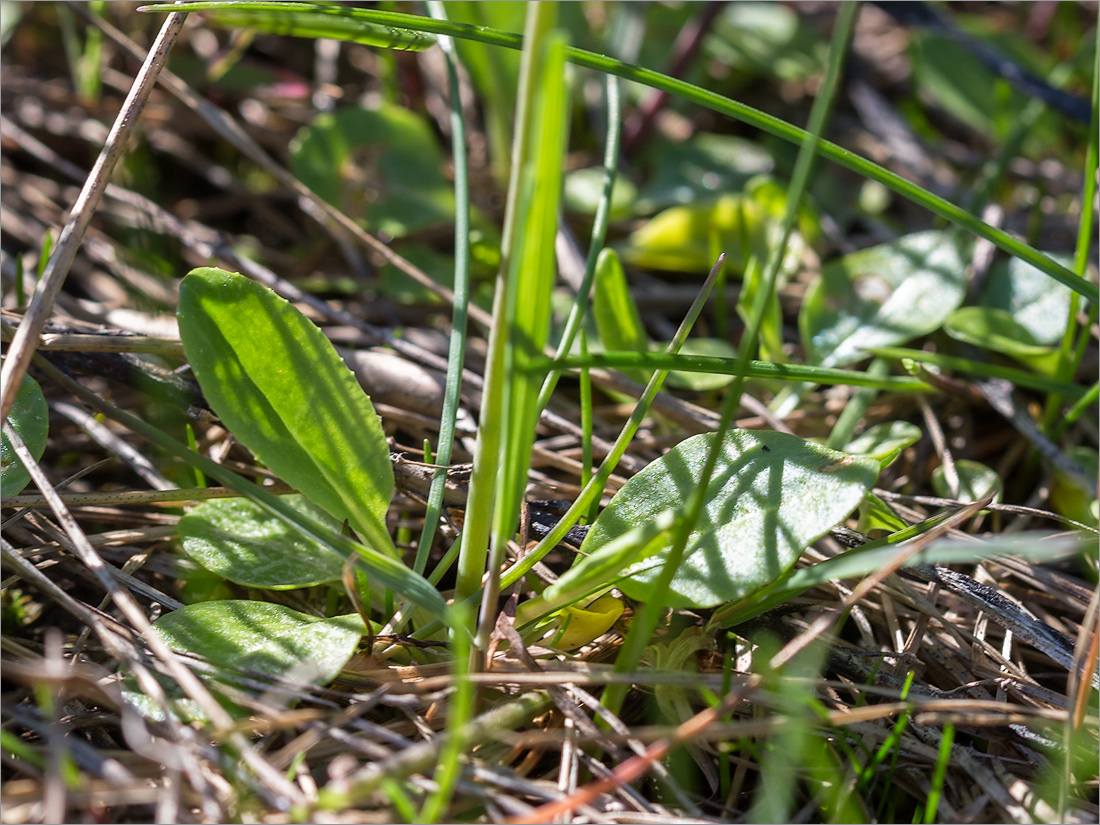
(883, 296)
(771, 495)
(995, 329)
(244, 543)
(30, 417)
(278, 385)
(884, 441)
(976, 481)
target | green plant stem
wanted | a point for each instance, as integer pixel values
(1018, 378)
(728, 366)
(646, 619)
(457, 350)
(711, 100)
(599, 233)
(857, 405)
(491, 426)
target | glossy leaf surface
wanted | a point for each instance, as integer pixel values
(883, 296)
(278, 385)
(30, 417)
(242, 542)
(771, 495)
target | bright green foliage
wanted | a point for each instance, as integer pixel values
(318, 20)
(684, 238)
(617, 318)
(996, 330)
(242, 542)
(883, 296)
(30, 417)
(771, 495)
(976, 481)
(1027, 294)
(885, 441)
(380, 166)
(1066, 494)
(276, 382)
(267, 638)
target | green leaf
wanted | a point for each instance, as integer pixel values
(875, 514)
(278, 385)
(701, 168)
(995, 329)
(584, 188)
(380, 166)
(259, 636)
(317, 21)
(244, 543)
(30, 417)
(884, 441)
(976, 481)
(682, 238)
(617, 318)
(883, 296)
(1066, 494)
(771, 495)
(1027, 294)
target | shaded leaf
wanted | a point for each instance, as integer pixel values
(771, 495)
(380, 166)
(1035, 302)
(30, 417)
(997, 330)
(883, 296)
(976, 481)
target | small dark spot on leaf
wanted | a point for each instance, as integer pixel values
(765, 448)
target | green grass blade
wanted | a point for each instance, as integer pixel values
(457, 350)
(718, 103)
(728, 366)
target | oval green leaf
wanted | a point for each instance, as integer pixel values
(884, 441)
(380, 166)
(246, 544)
(30, 417)
(995, 329)
(617, 318)
(253, 636)
(976, 481)
(276, 382)
(771, 495)
(1027, 294)
(883, 296)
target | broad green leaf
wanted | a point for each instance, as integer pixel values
(883, 296)
(875, 514)
(771, 495)
(995, 329)
(30, 417)
(269, 639)
(884, 441)
(1066, 495)
(767, 40)
(683, 238)
(976, 481)
(380, 166)
(1028, 295)
(700, 168)
(617, 318)
(318, 21)
(584, 188)
(242, 542)
(278, 385)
